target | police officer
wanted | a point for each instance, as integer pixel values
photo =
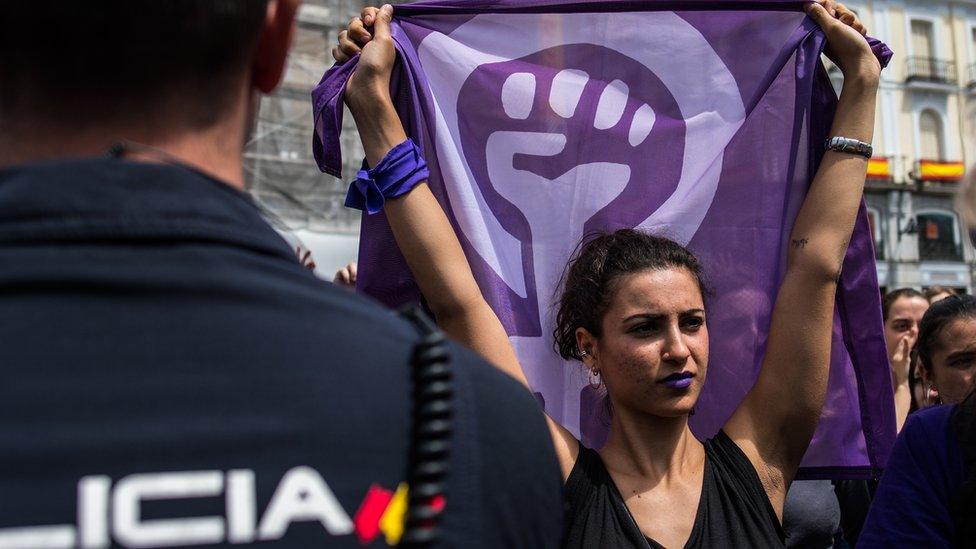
(171, 375)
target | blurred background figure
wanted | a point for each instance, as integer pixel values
(946, 350)
(902, 310)
(302, 252)
(935, 293)
(927, 496)
(346, 276)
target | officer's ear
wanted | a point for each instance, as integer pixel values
(271, 54)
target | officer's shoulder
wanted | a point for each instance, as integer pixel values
(364, 322)
(498, 397)
(352, 317)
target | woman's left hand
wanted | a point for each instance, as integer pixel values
(846, 45)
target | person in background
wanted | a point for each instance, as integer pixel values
(935, 293)
(902, 310)
(926, 495)
(346, 276)
(812, 515)
(945, 353)
(302, 252)
(172, 375)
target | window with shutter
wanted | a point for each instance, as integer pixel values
(922, 42)
(930, 136)
(938, 237)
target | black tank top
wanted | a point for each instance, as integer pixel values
(734, 510)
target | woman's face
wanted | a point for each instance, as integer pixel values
(653, 352)
(953, 361)
(903, 318)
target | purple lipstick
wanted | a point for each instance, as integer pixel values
(679, 380)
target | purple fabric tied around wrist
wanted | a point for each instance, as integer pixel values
(402, 169)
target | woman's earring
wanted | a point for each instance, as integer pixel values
(595, 379)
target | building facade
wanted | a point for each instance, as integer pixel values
(923, 140)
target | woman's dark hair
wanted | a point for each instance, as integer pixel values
(891, 297)
(939, 315)
(591, 275)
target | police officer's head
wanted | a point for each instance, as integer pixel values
(153, 67)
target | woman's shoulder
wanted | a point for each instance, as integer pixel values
(736, 488)
(722, 450)
(588, 472)
(731, 468)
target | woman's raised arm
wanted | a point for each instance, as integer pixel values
(775, 423)
(421, 228)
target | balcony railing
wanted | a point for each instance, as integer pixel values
(928, 69)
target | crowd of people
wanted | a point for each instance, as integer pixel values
(175, 376)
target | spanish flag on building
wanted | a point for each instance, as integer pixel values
(879, 167)
(935, 170)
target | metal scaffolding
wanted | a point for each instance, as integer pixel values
(279, 167)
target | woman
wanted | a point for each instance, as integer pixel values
(927, 496)
(945, 354)
(633, 312)
(903, 310)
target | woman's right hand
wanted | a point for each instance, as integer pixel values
(355, 35)
(846, 44)
(368, 88)
(368, 36)
(900, 360)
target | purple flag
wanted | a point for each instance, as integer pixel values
(703, 121)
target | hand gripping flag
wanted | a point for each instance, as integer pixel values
(704, 121)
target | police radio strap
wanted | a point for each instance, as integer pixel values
(430, 439)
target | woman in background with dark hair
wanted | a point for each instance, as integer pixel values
(938, 293)
(924, 498)
(633, 312)
(945, 353)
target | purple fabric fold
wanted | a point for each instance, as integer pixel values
(402, 169)
(327, 107)
(503, 163)
(881, 51)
